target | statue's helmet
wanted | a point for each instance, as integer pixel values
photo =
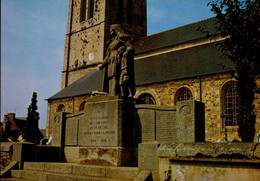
(117, 29)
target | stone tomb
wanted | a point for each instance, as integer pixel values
(105, 133)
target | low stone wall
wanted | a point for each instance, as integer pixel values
(5, 154)
(5, 159)
(208, 161)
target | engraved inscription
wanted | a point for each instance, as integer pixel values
(166, 126)
(100, 125)
(71, 133)
(147, 125)
(185, 110)
(57, 119)
(186, 131)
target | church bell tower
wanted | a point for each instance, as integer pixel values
(88, 32)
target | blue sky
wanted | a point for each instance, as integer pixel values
(32, 45)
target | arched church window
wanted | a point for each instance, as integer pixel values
(146, 99)
(231, 104)
(82, 105)
(83, 10)
(60, 108)
(184, 94)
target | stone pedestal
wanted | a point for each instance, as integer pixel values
(147, 156)
(105, 156)
(23, 151)
(106, 133)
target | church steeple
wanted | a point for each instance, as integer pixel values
(88, 32)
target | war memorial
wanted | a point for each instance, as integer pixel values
(113, 136)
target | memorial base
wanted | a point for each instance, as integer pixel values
(108, 122)
(103, 156)
(103, 135)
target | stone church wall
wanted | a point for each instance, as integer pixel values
(211, 94)
(165, 95)
(71, 105)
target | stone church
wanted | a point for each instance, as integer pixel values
(175, 65)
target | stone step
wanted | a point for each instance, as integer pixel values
(84, 170)
(52, 176)
(13, 179)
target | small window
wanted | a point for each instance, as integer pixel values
(91, 9)
(184, 94)
(125, 10)
(231, 104)
(83, 10)
(129, 11)
(82, 105)
(145, 99)
(120, 10)
(60, 108)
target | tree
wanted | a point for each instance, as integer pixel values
(238, 22)
(32, 132)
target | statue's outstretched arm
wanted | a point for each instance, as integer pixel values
(104, 63)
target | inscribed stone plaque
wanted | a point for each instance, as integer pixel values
(166, 126)
(57, 130)
(186, 131)
(147, 125)
(71, 133)
(102, 124)
(191, 121)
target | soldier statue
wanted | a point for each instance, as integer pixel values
(119, 64)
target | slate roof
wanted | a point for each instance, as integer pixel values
(175, 36)
(21, 118)
(20, 122)
(87, 84)
(191, 62)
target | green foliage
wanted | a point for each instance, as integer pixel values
(32, 132)
(238, 22)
